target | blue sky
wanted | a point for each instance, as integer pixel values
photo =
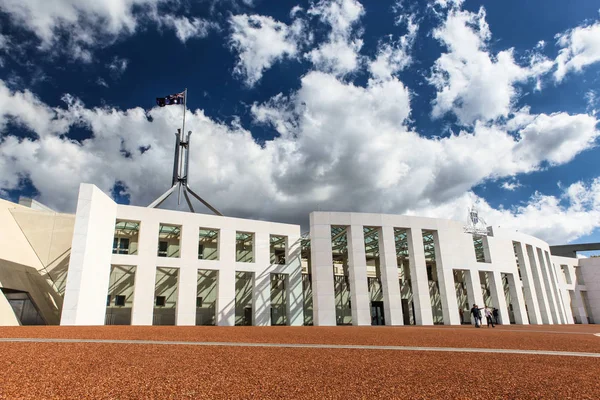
(422, 107)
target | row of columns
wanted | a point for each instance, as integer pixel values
(143, 298)
(323, 287)
(576, 305)
(543, 297)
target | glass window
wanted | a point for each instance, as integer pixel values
(160, 301)
(126, 237)
(123, 246)
(277, 249)
(120, 300)
(244, 246)
(162, 249)
(169, 240)
(480, 244)
(208, 244)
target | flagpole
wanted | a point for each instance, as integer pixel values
(184, 107)
(183, 136)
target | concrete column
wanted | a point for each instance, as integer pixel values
(89, 268)
(322, 274)
(187, 289)
(357, 273)
(548, 285)
(473, 290)
(579, 306)
(293, 284)
(226, 279)
(418, 275)
(498, 297)
(187, 277)
(533, 308)
(568, 308)
(392, 301)
(539, 287)
(142, 311)
(556, 288)
(442, 240)
(261, 299)
(518, 301)
(566, 279)
(261, 289)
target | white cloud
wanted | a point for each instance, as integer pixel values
(394, 56)
(592, 102)
(261, 41)
(558, 220)
(101, 82)
(540, 45)
(558, 137)
(339, 54)
(4, 42)
(87, 24)
(511, 185)
(580, 47)
(187, 28)
(341, 147)
(117, 66)
(472, 83)
(448, 3)
(4, 46)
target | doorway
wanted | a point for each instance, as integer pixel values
(377, 316)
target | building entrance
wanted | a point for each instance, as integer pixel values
(377, 317)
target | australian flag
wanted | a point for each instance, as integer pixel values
(177, 98)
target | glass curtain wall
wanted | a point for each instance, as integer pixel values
(119, 300)
(165, 296)
(339, 249)
(434, 288)
(404, 278)
(206, 297)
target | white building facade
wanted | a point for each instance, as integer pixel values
(94, 255)
(146, 266)
(434, 271)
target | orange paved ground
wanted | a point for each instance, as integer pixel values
(130, 371)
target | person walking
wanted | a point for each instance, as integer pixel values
(495, 314)
(476, 312)
(488, 317)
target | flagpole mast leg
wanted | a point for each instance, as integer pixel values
(164, 196)
(203, 201)
(187, 199)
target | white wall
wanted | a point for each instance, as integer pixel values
(454, 250)
(92, 256)
(590, 270)
(91, 250)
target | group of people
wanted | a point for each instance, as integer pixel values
(491, 315)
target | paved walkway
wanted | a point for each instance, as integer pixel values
(309, 346)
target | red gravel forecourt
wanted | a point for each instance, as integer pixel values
(153, 371)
